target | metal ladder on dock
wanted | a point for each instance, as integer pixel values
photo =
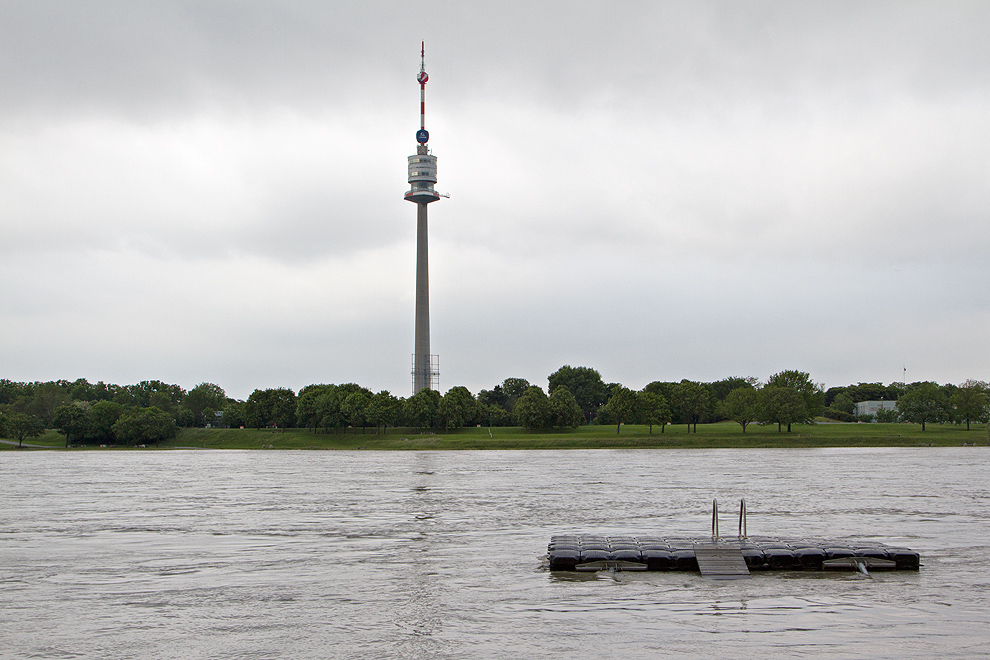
(723, 560)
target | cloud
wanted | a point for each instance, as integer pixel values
(207, 191)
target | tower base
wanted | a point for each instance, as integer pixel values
(426, 373)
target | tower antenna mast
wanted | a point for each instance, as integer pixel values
(422, 78)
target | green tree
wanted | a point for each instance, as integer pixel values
(532, 410)
(21, 426)
(781, 405)
(457, 408)
(283, 402)
(565, 413)
(873, 392)
(895, 390)
(722, 388)
(45, 400)
(844, 403)
(421, 408)
(144, 426)
(493, 397)
(10, 391)
(833, 392)
(308, 413)
(102, 416)
(257, 409)
(668, 391)
(355, 409)
(383, 410)
(741, 405)
(888, 416)
(82, 390)
(201, 397)
(330, 407)
(233, 414)
(163, 396)
(691, 401)
(620, 406)
(584, 383)
(184, 417)
(272, 407)
(812, 393)
(495, 415)
(969, 402)
(663, 388)
(653, 409)
(512, 389)
(72, 420)
(922, 403)
(125, 397)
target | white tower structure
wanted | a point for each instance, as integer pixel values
(422, 177)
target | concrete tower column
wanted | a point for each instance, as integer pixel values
(422, 366)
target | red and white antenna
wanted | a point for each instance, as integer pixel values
(422, 135)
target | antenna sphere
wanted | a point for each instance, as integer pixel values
(422, 77)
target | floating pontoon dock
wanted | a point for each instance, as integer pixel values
(723, 558)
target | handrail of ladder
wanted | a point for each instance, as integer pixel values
(742, 519)
(714, 519)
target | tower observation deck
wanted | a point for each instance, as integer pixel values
(422, 178)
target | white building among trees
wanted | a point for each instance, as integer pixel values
(871, 407)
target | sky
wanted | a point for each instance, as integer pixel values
(212, 191)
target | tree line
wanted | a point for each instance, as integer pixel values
(153, 411)
(920, 403)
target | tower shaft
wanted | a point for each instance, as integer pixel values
(422, 360)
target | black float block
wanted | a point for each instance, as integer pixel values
(684, 560)
(593, 554)
(658, 559)
(872, 552)
(626, 554)
(564, 559)
(754, 557)
(651, 541)
(622, 541)
(563, 545)
(810, 558)
(905, 559)
(838, 552)
(781, 558)
(572, 538)
(654, 545)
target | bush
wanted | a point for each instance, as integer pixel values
(143, 426)
(888, 416)
(838, 415)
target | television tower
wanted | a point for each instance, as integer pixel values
(422, 177)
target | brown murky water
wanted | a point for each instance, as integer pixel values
(199, 554)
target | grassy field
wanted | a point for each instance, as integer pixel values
(586, 437)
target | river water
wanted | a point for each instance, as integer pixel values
(272, 554)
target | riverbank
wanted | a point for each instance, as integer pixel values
(721, 435)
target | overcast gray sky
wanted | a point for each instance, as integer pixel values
(212, 191)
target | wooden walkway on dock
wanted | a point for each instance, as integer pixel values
(721, 561)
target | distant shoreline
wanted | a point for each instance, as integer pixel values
(709, 436)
